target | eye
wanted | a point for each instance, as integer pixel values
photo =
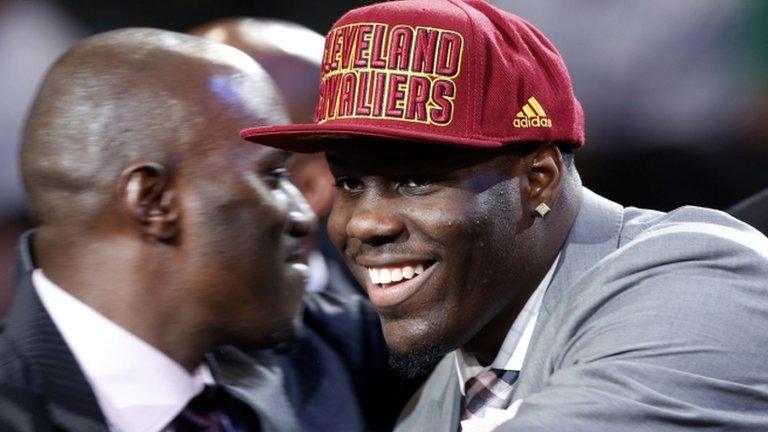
(348, 184)
(416, 185)
(414, 182)
(275, 176)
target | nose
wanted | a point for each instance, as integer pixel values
(302, 221)
(375, 225)
(301, 224)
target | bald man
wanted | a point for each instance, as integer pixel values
(164, 240)
(291, 54)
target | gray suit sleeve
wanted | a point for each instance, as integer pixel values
(668, 334)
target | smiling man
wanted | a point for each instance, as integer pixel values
(450, 127)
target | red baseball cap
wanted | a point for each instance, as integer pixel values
(456, 72)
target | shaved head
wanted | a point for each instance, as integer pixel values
(291, 53)
(125, 97)
(173, 226)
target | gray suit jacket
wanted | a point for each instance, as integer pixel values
(652, 322)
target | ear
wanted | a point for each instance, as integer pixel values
(146, 194)
(545, 177)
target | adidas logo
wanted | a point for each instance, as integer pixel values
(532, 115)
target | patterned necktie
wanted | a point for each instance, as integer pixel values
(492, 388)
(215, 411)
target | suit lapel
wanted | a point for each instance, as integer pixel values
(595, 234)
(450, 405)
(55, 375)
(436, 406)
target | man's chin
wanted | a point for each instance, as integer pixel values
(283, 335)
(417, 362)
(286, 334)
(285, 341)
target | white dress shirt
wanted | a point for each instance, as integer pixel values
(510, 356)
(138, 388)
(318, 273)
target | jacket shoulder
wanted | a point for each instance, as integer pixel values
(687, 220)
(13, 370)
(692, 276)
(675, 316)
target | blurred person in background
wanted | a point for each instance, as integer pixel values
(291, 54)
(180, 16)
(32, 34)
(163, 239)
(674, 92)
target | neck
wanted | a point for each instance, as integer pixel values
(486, 344)
(114, 277)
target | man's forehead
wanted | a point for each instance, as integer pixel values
(271, 153)
(376, 148)
(406, 156)
(383, 153)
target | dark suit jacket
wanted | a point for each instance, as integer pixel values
(334, 379)
(754, 211)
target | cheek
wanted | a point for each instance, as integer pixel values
(234, 236)
(477, 233)
(485, 272)
(240, 239)
(451, 222)
(501, 207)
(337, 222)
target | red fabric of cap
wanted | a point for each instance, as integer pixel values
(460, 73)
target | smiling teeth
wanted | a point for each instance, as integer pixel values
(374, 274)
(385, 276)
(389, 275)
(397, 275)
(408, 272)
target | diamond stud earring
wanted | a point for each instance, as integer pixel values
(542, 210)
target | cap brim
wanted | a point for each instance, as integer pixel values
(313, 138)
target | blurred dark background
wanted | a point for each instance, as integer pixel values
(675, 92)
(180, 15)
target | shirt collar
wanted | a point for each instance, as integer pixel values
(318, 273)
(512, 353)
(139, 389)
